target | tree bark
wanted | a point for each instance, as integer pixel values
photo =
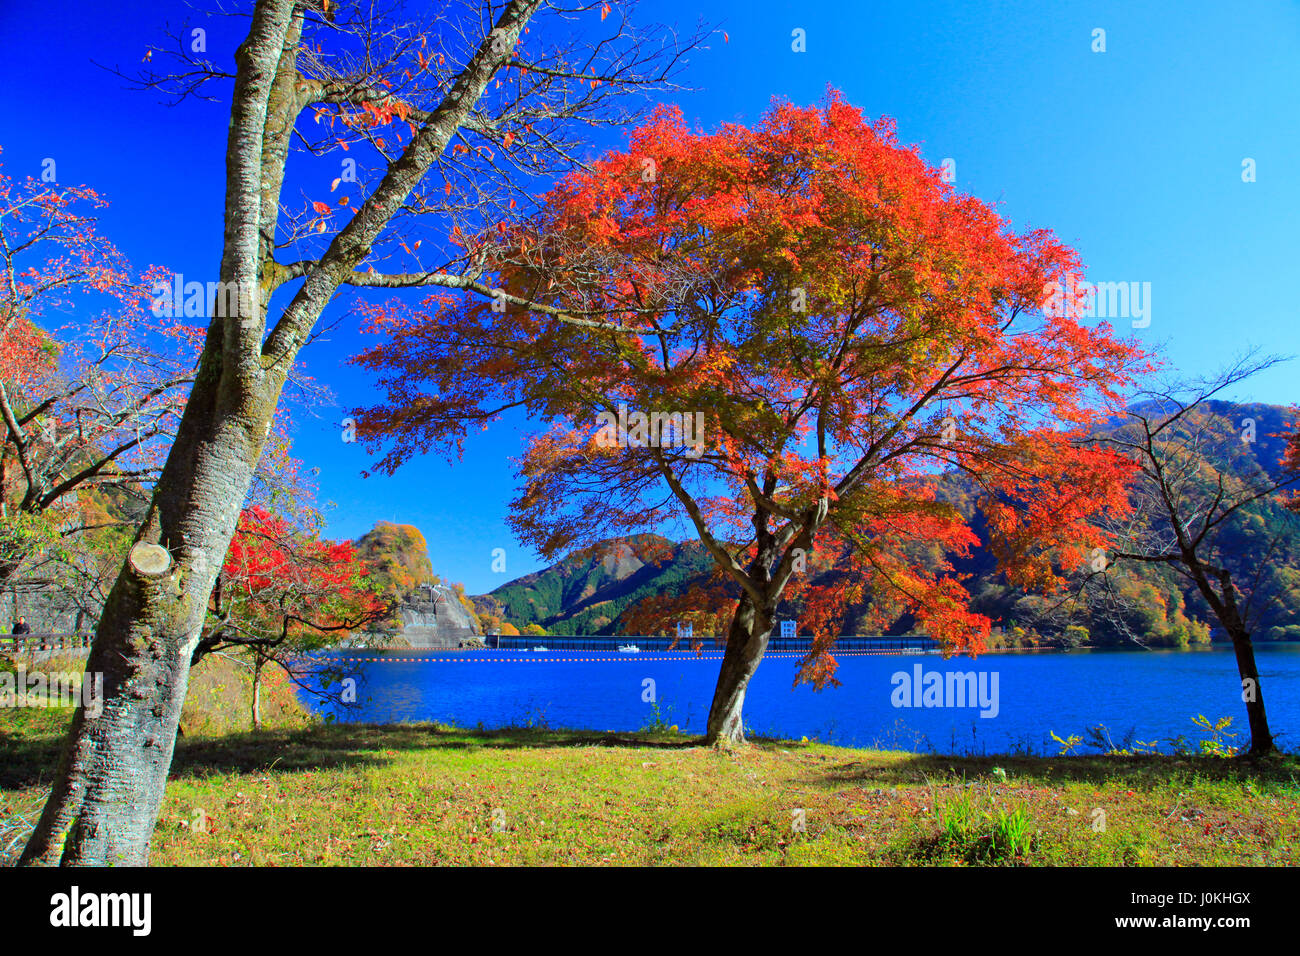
(257, 691)
(1261, 740)
(1228, 611)
(110, 784)
(109, 788)
(746, 642)
(1252, 693)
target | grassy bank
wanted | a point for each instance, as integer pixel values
(428, 795)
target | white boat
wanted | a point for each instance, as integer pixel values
(628, 649)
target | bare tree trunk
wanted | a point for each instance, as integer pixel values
(746, 642)
(1226, 609)
(257, 691)
(110, 784)
(1261, 740)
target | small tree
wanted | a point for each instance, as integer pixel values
(707, 608)
(283, 593)
(1195, 483)
(785, 333)
(87, 406)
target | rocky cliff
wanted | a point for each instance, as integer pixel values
(437, 618)
(429, 613)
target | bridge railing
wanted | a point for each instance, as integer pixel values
(64, 641)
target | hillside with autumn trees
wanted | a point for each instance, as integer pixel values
(590, 592)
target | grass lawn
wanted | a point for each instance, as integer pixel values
(419, 794)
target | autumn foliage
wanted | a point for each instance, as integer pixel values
(848, 324)
(283, 588)
(92, 385)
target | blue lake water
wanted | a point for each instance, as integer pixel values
(1152, 695)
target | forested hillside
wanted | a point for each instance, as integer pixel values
(594, 591)
(588, 591)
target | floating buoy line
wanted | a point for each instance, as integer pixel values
(543, 657)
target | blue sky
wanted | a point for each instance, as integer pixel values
(1134, 156)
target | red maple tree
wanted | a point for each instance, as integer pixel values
(284, 591)
(845, 325)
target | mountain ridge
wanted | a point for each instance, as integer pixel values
(592, 590)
